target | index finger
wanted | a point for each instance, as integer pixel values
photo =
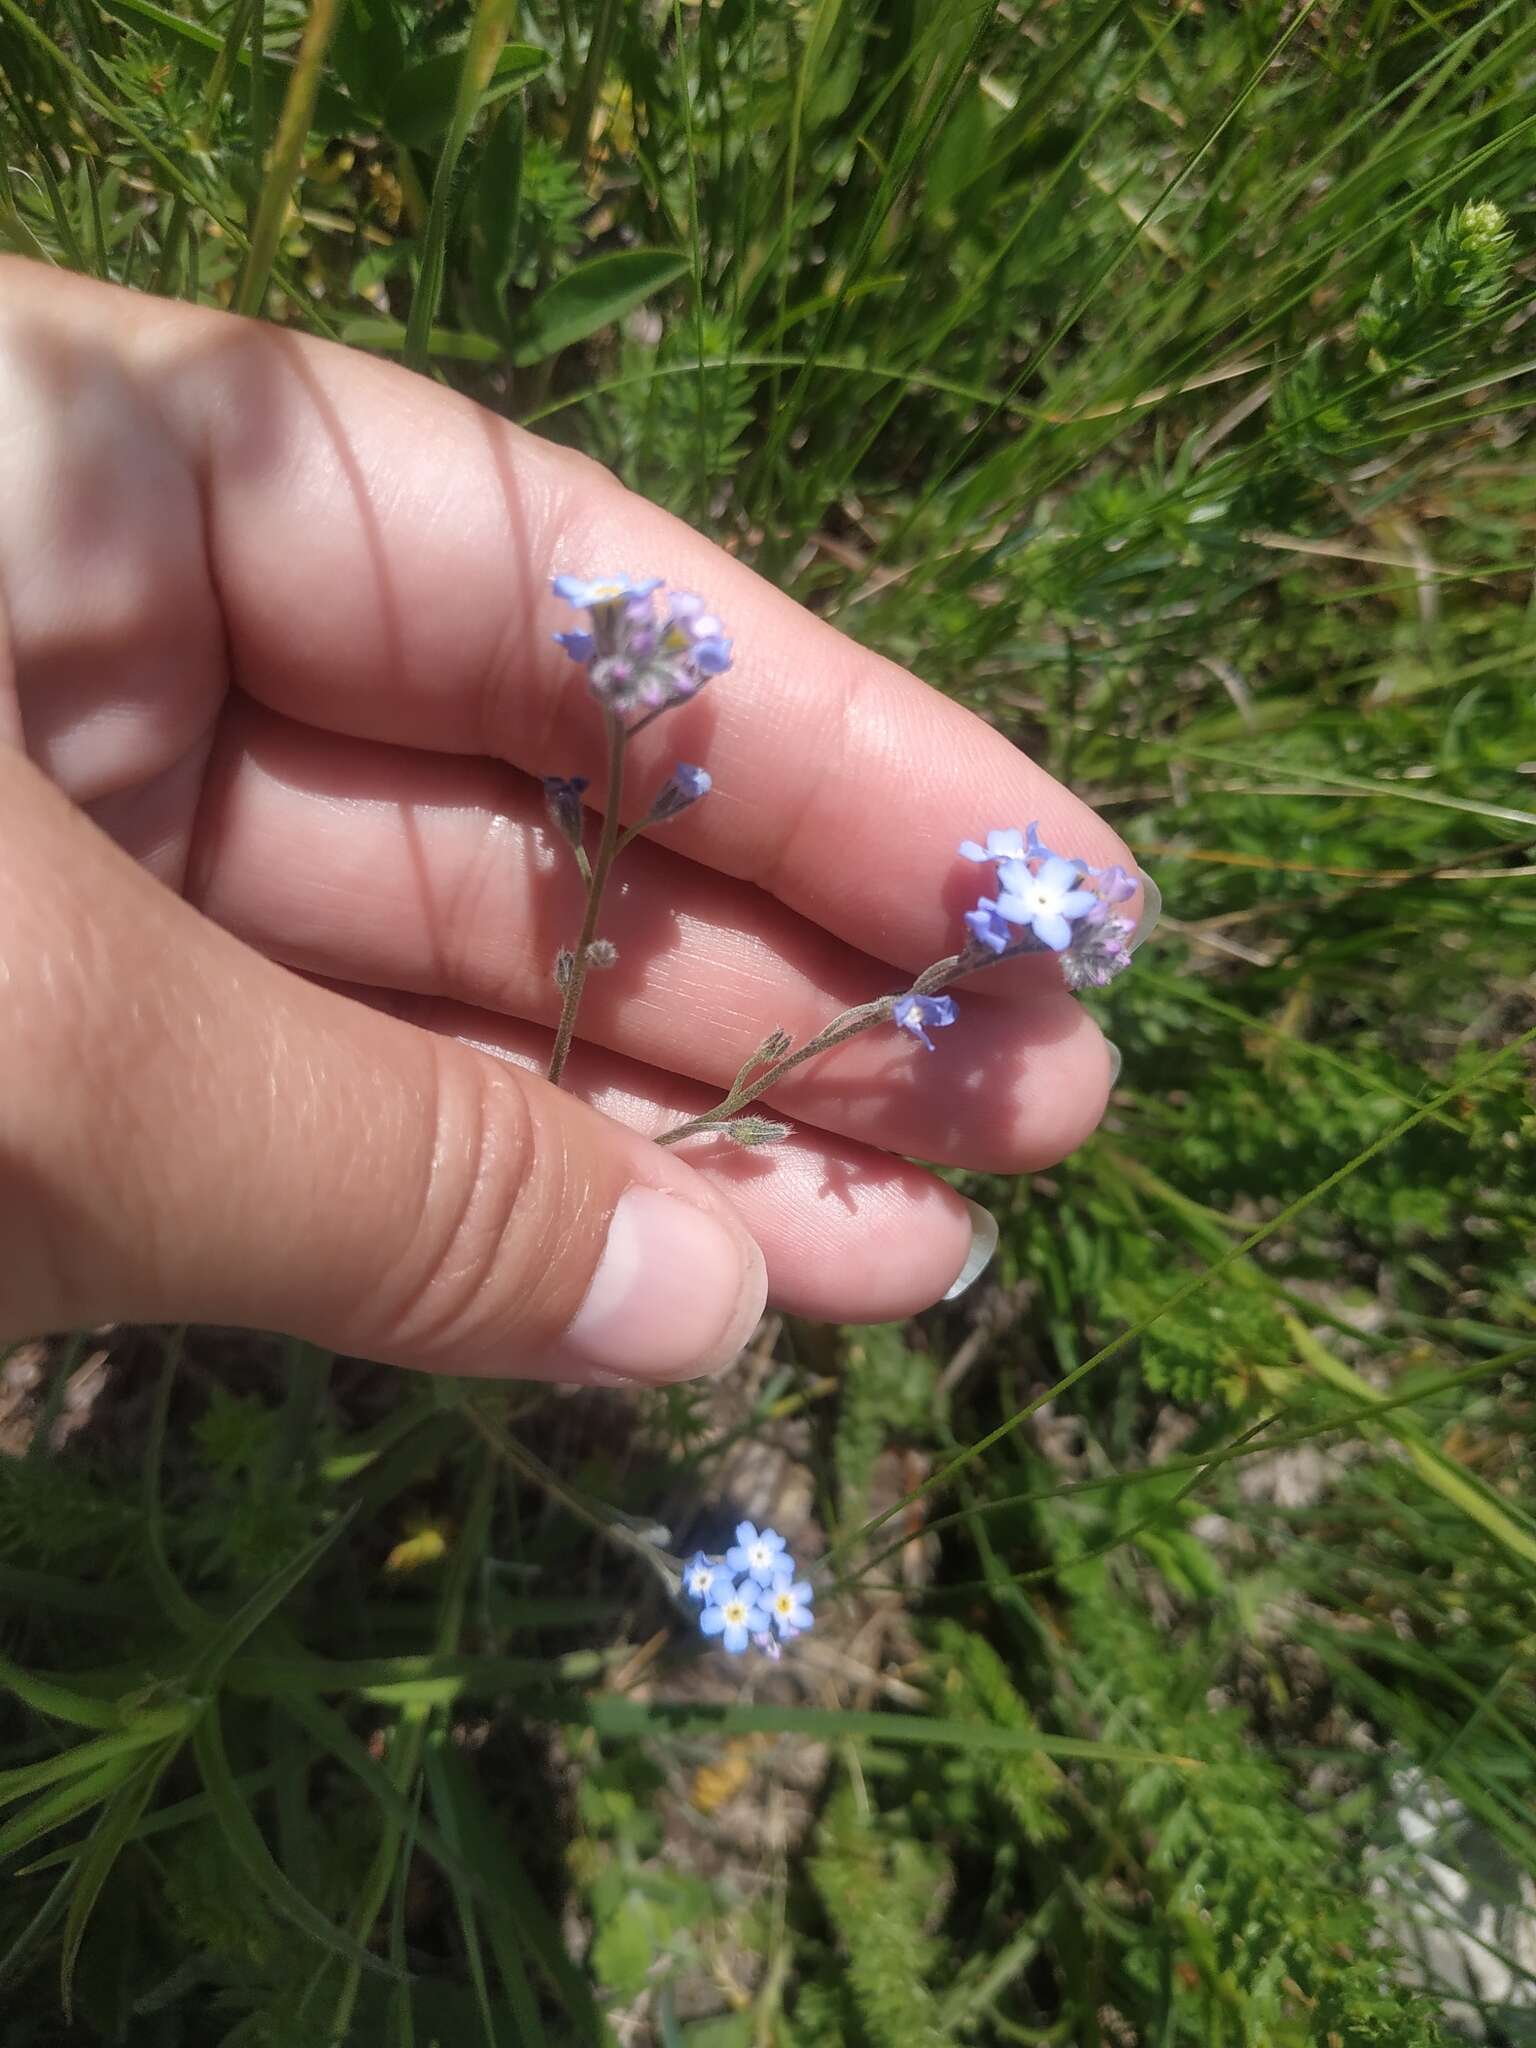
(382, 551)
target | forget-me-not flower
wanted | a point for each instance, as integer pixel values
(636, 660)
(701, 1576)
(988, 926)
(579, 646)
(1006, 844)
(1047, 902)
(1113, 885)
(733, 1614)
(756, 1552)
(690, 626)
(914, 1014)
(789, 1605)
(588, 593)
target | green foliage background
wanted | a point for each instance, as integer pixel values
(1154, 379)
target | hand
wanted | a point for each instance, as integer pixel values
(279, 906)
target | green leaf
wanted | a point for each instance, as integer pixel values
(469, 1833)
(615, 1714)
(431, 1681)
(198, 48)
(368, 50)
(46, 1696)
(178, 1606)
(159, 1725)
(496, 216)
(388, 337)
(594, 295)
(248, 1846)
(225, 1640)
(179, 1814)
(421, 101)
(516, 1918)
(62, 1804)
(103, 1846)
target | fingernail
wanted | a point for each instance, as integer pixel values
(676, 1293)
(983, 1245)
(1116, 1060)
(1151, 910)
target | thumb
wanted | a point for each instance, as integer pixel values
(190, 1133)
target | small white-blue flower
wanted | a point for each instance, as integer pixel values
(1003, 845)
(756, 1552)
(1048, 902)
(588, 593)
(700, 1576)
(733, 1614)
(789, 1606)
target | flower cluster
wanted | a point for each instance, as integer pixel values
(1052, 901)
(750, 1595)
(1046, 902)
(639, 659)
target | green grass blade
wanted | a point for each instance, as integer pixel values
(282, 169)
(248, 1846)
(488, 32)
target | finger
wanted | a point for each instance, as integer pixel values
(382, 549)
(203, 1136)
(848, 1234)
(401, 869)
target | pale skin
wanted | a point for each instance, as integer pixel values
(278, 903)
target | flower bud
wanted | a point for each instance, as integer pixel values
(562, 800)
(682, 788)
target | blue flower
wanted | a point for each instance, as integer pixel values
(587, 594)
(1002, 845)
(734, 1615)
(1114, 885)
(635, 660)
(1047, 902)
(712, 657)
(700, 1576)
(756, 1552)
(579, 646)
(1009, 843)
(912, 1013)
(989, 927)
(789, 1605)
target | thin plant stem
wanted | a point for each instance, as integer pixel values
(750, 1084)
(287, 154)
(605, 1522)
(492, 22)
(585, 106)
(608, 846)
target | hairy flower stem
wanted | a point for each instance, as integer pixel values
(607, 847)
(750, 1084)
(619, 1530)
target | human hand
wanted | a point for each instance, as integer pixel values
(279, 904)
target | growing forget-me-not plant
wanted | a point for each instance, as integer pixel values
(646, 652)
